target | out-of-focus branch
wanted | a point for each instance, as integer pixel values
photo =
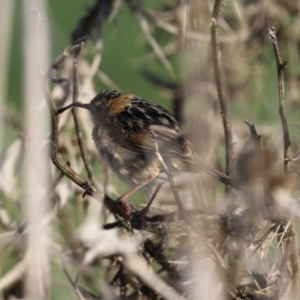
(153, 43)
(219, 75)
(36, 167)
(255, 137)
(280, 71)
(77, 290)
(15, 274)
(6, 15)
(183, 213)
(289, 241)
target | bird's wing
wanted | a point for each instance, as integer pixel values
(171, 143)
(139, 120)
(160, 127)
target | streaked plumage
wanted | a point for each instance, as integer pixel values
(123, 138)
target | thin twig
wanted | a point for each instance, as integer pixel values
(290, 253)
(24, 224)
(191, 35)
(290, 245)
(65, 169)
(255, 137)
(134, 263)
(13, 275)
(221, 85)
(171, 179)
(182, 211)
(82, 148)
(113, 206)
(107, 81)
(280, 71)
(59, 178)
(153, 43)
(73, 284)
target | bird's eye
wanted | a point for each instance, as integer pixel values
(98, 103)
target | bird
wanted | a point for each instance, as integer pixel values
(128, 130)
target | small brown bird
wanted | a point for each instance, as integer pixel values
(123, 134)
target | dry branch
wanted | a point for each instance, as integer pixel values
(280, 71)
(221, 264)
(219, 75)
(77, 48)
(113, 206)
(153, 43)
(290, 247)
(233, 241)
(255, 137)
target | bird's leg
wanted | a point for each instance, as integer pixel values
(142, 213)
(124, 197)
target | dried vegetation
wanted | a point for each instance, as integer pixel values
(221, 244)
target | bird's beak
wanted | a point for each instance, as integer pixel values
(78, 104)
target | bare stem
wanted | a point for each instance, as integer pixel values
(290, 246)
(221, 85)
(80, 140)
(280, 71)
(255, 137)
(182, 211)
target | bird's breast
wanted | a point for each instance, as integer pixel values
(131, 167)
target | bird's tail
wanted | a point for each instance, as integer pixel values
(196, 167)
